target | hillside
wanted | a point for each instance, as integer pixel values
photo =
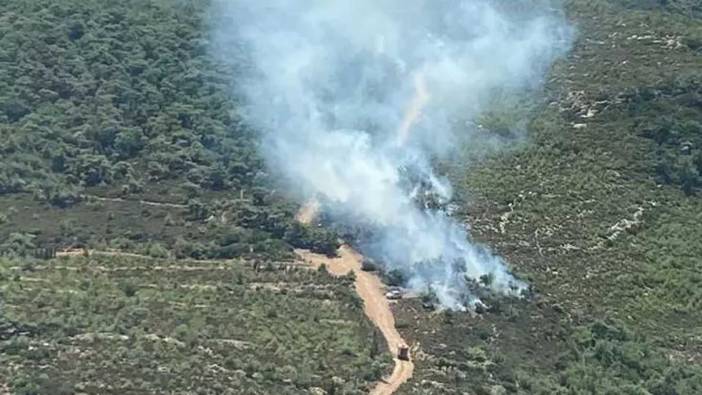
(600, 211)
(119, 134)
(122, 101)
(113, 324)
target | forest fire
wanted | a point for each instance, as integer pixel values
(355, 113)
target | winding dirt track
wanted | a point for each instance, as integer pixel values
(376, 307)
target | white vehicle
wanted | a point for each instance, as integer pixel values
(394, 294)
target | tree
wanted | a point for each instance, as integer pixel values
(129, 142)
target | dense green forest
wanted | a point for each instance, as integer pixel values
(118, 132)
(122, 100)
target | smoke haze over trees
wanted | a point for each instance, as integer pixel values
(120, 131)
(355, 99)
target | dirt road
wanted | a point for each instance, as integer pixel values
(376, 307)
(144, 202)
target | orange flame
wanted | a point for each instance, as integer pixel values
(308, 212)
(414, 111)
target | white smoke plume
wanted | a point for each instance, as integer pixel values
(355, 98)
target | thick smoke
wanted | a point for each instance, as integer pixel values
(354, 99)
